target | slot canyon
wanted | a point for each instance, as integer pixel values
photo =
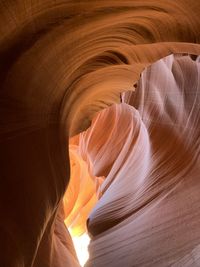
(99, 133)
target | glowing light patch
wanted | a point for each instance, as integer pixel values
(81, 245)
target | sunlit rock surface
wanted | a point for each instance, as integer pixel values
(61, 62)
(148, 214)
(81, 194)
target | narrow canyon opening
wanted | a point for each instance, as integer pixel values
(128, 180)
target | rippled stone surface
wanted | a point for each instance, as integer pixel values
(61, 62)
(148, 212)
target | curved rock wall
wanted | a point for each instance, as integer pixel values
(148, 212)
(61, 62)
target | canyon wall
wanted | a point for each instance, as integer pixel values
(61, 63)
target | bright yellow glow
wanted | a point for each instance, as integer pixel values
(81, 245)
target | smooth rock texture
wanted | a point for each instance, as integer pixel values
(148, 214)
(81, 194)
(61, 62)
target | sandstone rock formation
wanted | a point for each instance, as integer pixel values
(61, 62)
(147, 214)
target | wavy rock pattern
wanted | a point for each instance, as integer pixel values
(81, 194)
(63, 61)
(148, 213)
